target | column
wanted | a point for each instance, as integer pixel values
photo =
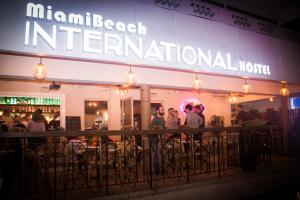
(145, 106)
(285, 122)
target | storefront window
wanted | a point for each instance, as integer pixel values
(96, 115)
(23, 106)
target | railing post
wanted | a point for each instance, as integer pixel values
(219, 156)
(187, 165)
(24, 143)
(161, 142)
(106, 167)
(55, 167)
(150, 164)
(270, 147)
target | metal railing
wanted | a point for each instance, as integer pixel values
(57, 163)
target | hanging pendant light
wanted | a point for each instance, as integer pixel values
(196, 83)
(246, 87)
(284, 91)
(122, 90)
(131, 79)
(40, 71)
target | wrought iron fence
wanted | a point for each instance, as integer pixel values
(56, 163)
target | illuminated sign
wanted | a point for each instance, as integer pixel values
(61, 29)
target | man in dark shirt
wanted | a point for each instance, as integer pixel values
(242, 115)
(158, 122)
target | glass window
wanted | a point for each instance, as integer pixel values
(96, 115)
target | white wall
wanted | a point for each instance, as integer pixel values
(75, 95)
(21, 67)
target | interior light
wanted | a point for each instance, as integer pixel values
(131, 79)
(246, 87)
(196, 83)
(284, 90)
(40, 71)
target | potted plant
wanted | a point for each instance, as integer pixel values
(216, 121)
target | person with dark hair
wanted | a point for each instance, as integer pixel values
(44, 119)
(198, 109)
(192, 119)
(242, 115)
(17, 123)
(26, 119)
(36, 125)
(158, 122)
(158, 119)
(8, 121)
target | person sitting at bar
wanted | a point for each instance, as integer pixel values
(44, 119)
(8, 121)
(26, 119)
(17, 123)
(37, 124)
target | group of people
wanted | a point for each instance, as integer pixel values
(194, 117)
(37, 123)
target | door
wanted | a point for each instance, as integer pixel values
(127, 113)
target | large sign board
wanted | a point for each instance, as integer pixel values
(135, 33)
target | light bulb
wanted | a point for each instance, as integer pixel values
(246, 87)
(40, 71)
(196, 83)
(284, 90)
(131, 79)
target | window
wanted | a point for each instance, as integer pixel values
(96, 115)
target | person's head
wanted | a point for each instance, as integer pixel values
(240, 107)
(37, 116)
(6, 112)
(197, 109)
(201, 108)
(39, 111)
(176, 113)
(171, 111)
(188, 108)
(56, 114)
(27, 117)
(160, 111)
(17, 119)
